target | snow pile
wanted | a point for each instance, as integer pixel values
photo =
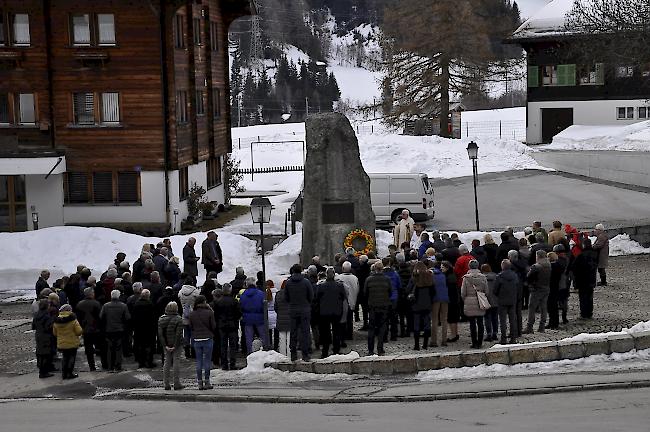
(285, 255)
(495, 115)
(67, 246)
(256, 372)
(623, 245)
(633, 360)
(639, 327)
(353, 355)
(634, 137)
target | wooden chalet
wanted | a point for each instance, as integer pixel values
(111, 110)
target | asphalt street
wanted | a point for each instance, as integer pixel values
(609, 411)
(516, 198)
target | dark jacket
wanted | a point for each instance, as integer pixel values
(539, 277)
(42, 325)
(452, 287)
(227, 313)
(170, 330)
(252, 306)
(423, 298)
(423, 248)
(558, 276)
(536, 247)
(114, 315)
(480, 255)
(378, 288)
(299, 294)
(504, 248)
(160, 262)
(172, 273)
(451, 254)
(440, 284)
(491, 254)
(283, 322)
(41, 284)
(88, 311)
(189, 261)
(211, 259)
(138, 269)
(144, 320)
(404, 271)
(202, 322)
(238, 284)
(330, 297)
(584, 269)
(506, 288)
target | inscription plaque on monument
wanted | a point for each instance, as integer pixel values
(337, 213)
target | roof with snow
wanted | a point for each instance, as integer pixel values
(548, 22)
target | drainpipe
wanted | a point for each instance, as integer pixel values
(165, 102)
(47, 12)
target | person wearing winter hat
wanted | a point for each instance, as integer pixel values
(67, 330)
(601, 246)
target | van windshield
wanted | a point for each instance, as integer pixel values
(425, 183)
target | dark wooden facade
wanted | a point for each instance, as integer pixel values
(145, 67)
(563, 51)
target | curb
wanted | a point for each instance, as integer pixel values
(489, 394)
(506, 355)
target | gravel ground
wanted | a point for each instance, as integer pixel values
(625, 302)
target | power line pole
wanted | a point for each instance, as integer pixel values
(256, 51)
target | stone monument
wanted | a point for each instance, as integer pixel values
(336, 198)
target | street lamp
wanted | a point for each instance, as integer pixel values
(261, 214)
(472, 152)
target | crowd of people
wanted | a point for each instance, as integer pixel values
(423, 289)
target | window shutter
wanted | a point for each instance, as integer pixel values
(110, 108)
(570, 75)
(533, 76)
(600, 73)
(127, 187)
(4, 108)
(561, 75)
(103, 187)
(77, 188)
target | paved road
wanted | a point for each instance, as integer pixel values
(589, 411)
(515, 198)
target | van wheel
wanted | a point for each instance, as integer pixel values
(396, 216)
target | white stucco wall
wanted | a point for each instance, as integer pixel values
(597, 113)
(151, 210)
(46, 198)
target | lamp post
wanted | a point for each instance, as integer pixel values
(261, 214)
(472, 152)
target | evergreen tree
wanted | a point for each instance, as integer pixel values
(236, 86)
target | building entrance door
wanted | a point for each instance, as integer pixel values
(554, 121)
(13, 206)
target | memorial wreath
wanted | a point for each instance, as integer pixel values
(360, 234)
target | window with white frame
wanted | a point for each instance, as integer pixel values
(26, 108)
(643, 113)
(106, 29)
(110, 107)
(81, 30)
(624, 71)
(625, 113)
(21, 35)
(549, 75)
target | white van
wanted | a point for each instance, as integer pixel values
(392, 193)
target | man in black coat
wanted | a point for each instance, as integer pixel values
(508, 243)
(144, 330)
(378, 288)
(190, 259)
(540, 245)
(227, 314)
(41, 283)
(330, 297)
(506, 288)
(584, 269)
(88, 311)
(362, 275)
(299, 294)
(212, 257)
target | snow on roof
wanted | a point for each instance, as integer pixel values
(548, 21)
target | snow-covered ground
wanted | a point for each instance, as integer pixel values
(633, 360)
(635, 137)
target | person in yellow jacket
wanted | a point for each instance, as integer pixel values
(67, 331)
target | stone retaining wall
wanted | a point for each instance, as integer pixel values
(516, 354)
(628, 167)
